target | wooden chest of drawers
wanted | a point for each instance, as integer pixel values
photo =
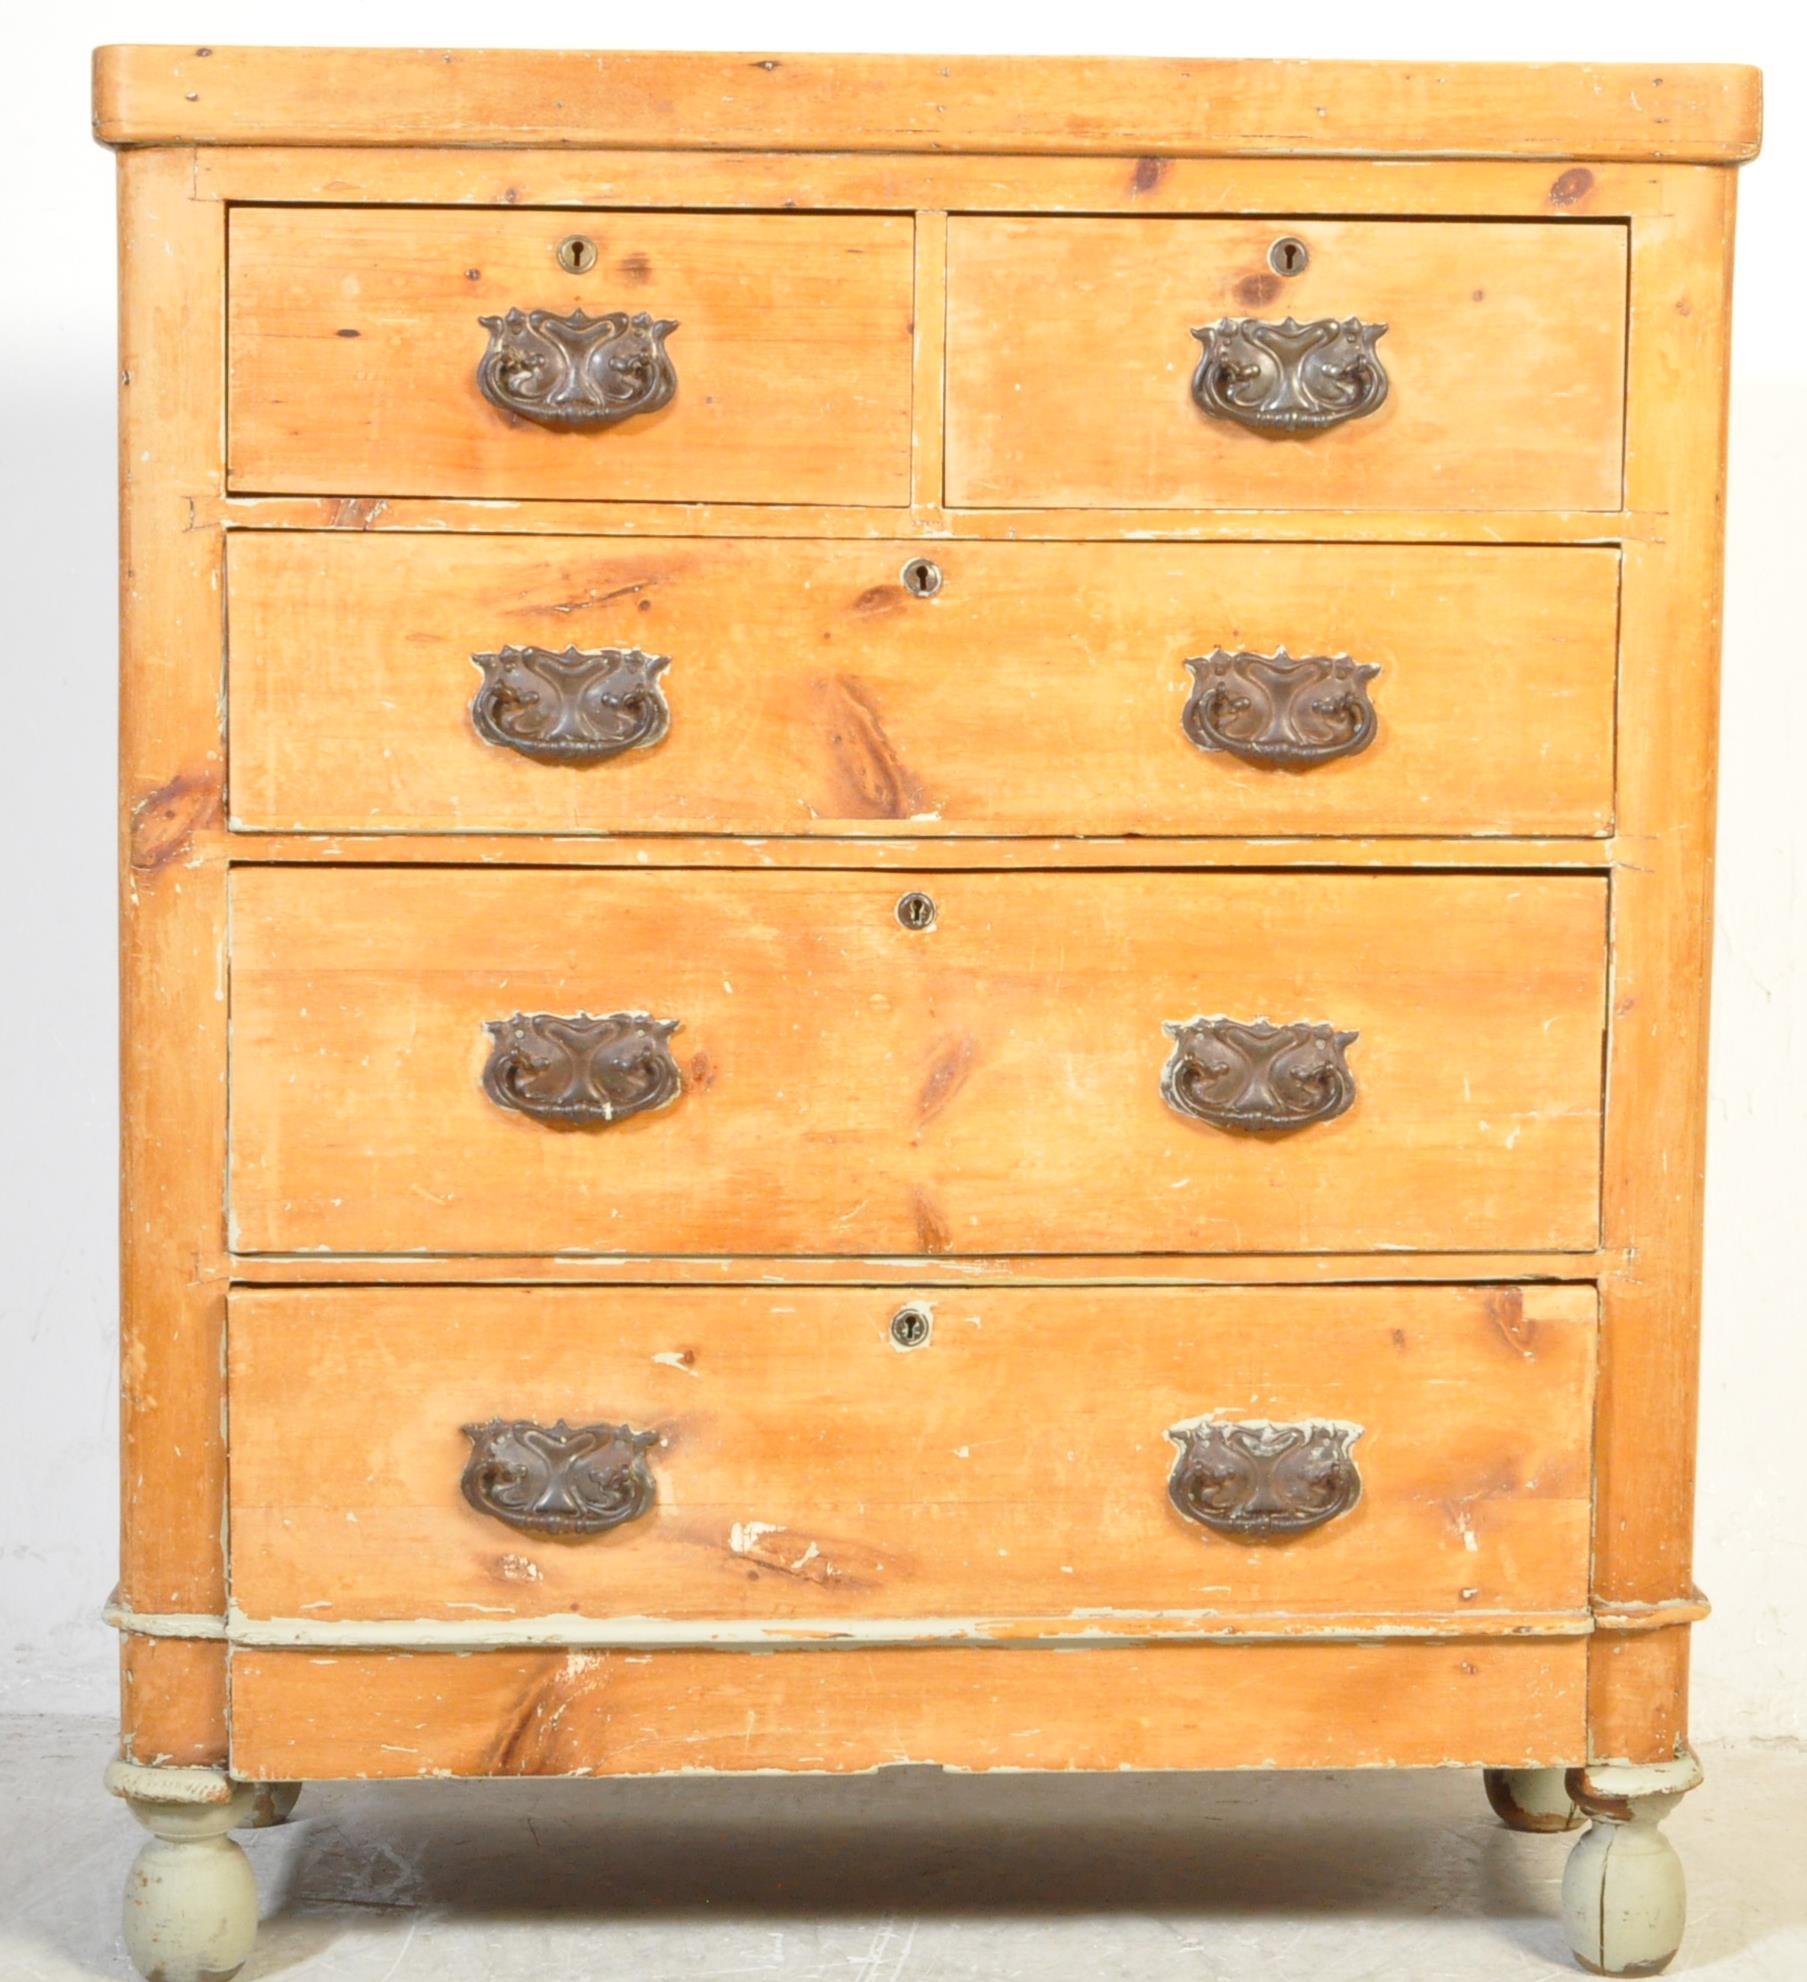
(916, 874)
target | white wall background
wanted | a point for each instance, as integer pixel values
(57, 631)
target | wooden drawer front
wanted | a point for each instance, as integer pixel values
(850, 1085)
(1017, 1465)
(355, 346)
(1071, 356)
(1043, 688)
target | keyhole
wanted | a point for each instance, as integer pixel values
(922, 578)
(1288, 255)
(910, 1327)
(916, 911)
(576, 254)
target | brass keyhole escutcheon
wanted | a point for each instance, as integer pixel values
(916, 910)
(910, 1327)
(1288, 256)
(576, 254)
(922, 578)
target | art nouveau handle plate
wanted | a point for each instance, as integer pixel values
(581, 1072)
(577, 373)
(578, 707)
(1249, 1074)
(1262, 1482)
(558, 1480)
(1272, 710)
(1289, 378)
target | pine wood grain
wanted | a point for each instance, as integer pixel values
(1039, 691)
(1071, 354)
(1016, 1464)
(392, 1716)
(991, 1084)
(354, 348)
(147, 94)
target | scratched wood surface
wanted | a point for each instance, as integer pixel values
(1070, 358)
(807, 1468)
(391, 1716)
(354, 345)
(1039, 690)
(854, 1086)
(147, 94)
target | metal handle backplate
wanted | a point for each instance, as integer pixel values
(1260, 1481)
(1289, 378)
(578, 707)
(1249, 1074)
(577, 372)
(1285, 714)
(579, 1071)
(559, 1479)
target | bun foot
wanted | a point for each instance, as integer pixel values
(190, 1899)
(1532, 1799)
(1624, 1902)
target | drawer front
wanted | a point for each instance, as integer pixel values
(1073, 353)
(1045, 1455)
(409, 1069)
(355, 348)
(1041, 688)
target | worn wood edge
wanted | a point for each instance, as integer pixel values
(167, 1624)
(148, 94)
(1658, 1616)
(802, 1270)
(905, 182)
(144, 1783)
(967, 853)
(1486, 529)
(1076, 1631)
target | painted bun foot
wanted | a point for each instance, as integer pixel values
(190, 1899)
(1532, 1799)
(1624, 1902)
(272, 1803)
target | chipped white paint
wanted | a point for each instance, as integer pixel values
(190, 1900)
(1624, 1901)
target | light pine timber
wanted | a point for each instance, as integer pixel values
(1662, 958)
(991, 1084)
(396, 1715)
(809, 1468)
(924, 182)
(354, 347)
(172, 951)
(1040, 691)
(1505, 355)
(798, 102)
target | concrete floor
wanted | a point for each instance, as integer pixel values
(908, 1874)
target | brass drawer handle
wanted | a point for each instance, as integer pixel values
(1289, 378)
(581, 1072)
(1273, 710)
(558, 1479)
(577, 707)
(578, 372)
(1248, 1074)
(1261, 1482)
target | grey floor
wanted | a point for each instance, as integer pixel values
(908, 1874)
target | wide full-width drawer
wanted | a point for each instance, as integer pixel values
(394, 682)
(378, 352)
(1172, 363)
(1047, 1456)
(641, 1061)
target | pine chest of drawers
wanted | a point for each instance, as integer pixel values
(916, 876)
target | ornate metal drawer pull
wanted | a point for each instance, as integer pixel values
(1270, 709)
(577, 372)
(1289, 378)
(1248, 1074)
(1261, 1482)
(574, 707)
(558, 1479)
(581, 1072)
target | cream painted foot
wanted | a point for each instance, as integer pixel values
(1532, 1799)
(1623, 1900)
(190, 1899)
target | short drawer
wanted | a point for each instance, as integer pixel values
(641, 1061)
(394, 682)
(1047, 1456)
(1170, 364)
(357, 337)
